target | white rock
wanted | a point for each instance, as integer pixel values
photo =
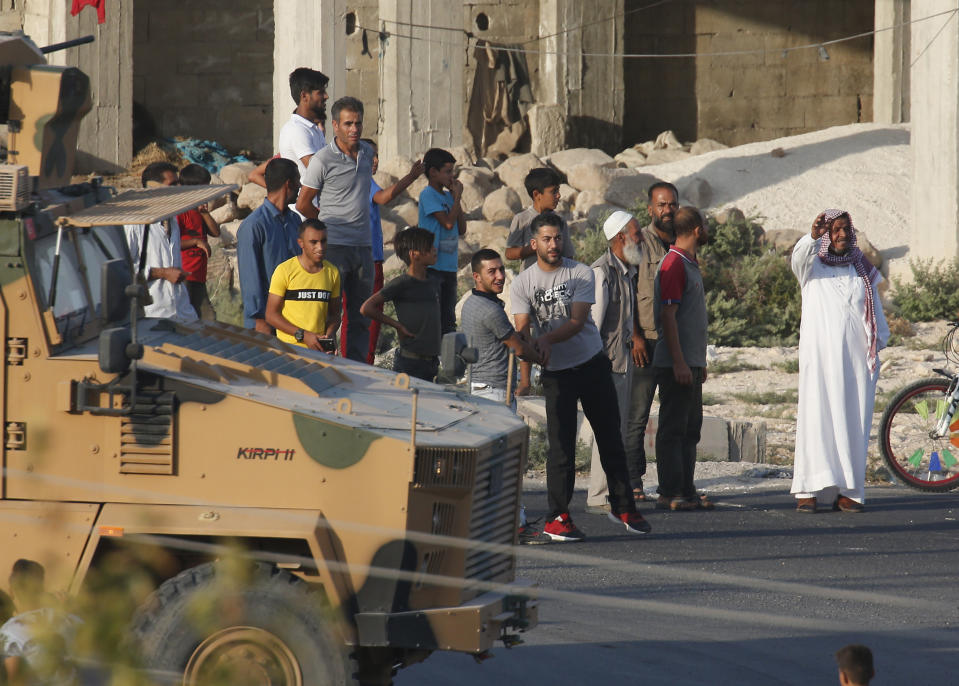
(631, 157)
(585, 201)
(396, 167)
(384, 179)
(236, 173)
(390, 229)
(502, 204)
(626, 190)
(782, 241)
(565, 160)
(645, 148)
(227, 238)
(696, 191)
(664, 156)
(251, 196)
(598, 213)
(513, 171)
(403, 213)
(415, 188)
(393, 264)
(463, 155)
(704, 145)
(484, 234)
(567, 193)
(667, 140)
(226, 212)
(477, 184)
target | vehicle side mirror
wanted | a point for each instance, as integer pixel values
(455, 355)
(117, 350)
(115, 276)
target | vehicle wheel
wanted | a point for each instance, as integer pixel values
(270, 629)
(908, 441)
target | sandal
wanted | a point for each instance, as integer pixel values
(639, 495)
(683, 505)
(705, 503)
(806, 505)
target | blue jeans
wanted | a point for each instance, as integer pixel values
(355, 263)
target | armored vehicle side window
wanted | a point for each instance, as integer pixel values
(71, 303)
(97, 245)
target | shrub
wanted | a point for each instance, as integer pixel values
(752, 296)
(932, 294)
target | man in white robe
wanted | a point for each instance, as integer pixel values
(843, 328)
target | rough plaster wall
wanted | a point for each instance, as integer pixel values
(11, 15)
(743, 98)
(206, 69)
(362, 71)
(935, 133)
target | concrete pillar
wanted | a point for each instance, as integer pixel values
(421, 86)
(934, 97)
(105, 140)
(891, 58)
(307, 33)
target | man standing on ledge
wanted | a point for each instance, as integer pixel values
(680, 362)
(554, 296)
(341, 174)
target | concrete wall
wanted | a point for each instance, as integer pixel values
(891, 58)
(205, 70)
(420, 81)
(934, 100)
(309, 34)
(743, 98)
(363, 70)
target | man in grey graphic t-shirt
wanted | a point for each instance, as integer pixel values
(553, 297)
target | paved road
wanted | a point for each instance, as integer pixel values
(751, 593)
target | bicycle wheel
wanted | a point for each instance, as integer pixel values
(908, 440)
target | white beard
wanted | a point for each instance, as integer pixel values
(631, 253)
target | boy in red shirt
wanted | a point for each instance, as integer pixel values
(195, 226)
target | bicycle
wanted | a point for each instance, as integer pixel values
(918, 435)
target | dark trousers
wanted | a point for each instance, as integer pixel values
(446, 287)
(416, 366)
(200, 299)
(355, 264)
(641, 399)
(591, 384)
(680, 424)
(375, 324)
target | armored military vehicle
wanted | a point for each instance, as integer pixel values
(371, 515)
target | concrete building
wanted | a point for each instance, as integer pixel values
(218, 69)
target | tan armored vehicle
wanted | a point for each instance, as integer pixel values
(370, 516)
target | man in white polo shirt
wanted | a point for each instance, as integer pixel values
(301, 137)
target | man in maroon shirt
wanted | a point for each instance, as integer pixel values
(195, 226)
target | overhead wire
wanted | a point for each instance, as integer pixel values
(685, 55)
(933, 40)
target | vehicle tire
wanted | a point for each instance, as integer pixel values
(907, 441)
(271, 629)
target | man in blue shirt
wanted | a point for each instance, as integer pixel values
(441, 214)
(267, 238)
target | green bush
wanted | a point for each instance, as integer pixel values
(933, 292)
(752, 296)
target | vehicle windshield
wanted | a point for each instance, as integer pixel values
(73, 282)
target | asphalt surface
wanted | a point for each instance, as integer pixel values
(750, 593)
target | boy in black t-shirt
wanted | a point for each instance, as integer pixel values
(417, 306)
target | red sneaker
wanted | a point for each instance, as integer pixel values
(634, 522)
(563, 530)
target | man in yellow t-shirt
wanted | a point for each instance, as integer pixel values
(304, 299)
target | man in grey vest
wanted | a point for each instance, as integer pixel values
(680, 362)
(614, 316)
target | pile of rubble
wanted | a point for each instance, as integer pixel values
(493, 190)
